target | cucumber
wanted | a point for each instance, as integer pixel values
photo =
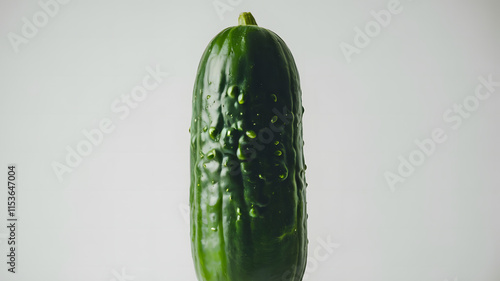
(248, 186)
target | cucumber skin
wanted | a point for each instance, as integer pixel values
(248, 187)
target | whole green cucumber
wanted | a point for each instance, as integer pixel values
(248, 188)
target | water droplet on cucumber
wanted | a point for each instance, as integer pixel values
(211, 154)
(233, 91)
(212, 132)
(253, 212)
(251, 134)
(241, 98)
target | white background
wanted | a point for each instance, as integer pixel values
(121, 213)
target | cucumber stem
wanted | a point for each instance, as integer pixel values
(246, 18)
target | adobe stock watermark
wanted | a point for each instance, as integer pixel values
(121, 276)
(362, 37)
(223, 6)
(122, 107)
(454, 117)
(321, 253)
(48, 9)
